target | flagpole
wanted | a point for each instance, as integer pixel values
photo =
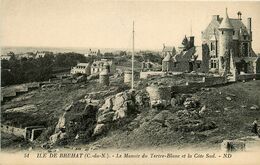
(133, 51)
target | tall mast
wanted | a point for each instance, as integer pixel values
(191, 28)
(133, 52)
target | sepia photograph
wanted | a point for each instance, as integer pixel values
(130, 82)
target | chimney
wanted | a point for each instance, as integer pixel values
(239, 15)
(249, 26)
(215, 17)
(191, 41)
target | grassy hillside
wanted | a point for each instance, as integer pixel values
(232, 118)
(226, 115)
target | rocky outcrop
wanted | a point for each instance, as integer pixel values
(115, 108)
(233, 145)
(78, 120)
(191, 102)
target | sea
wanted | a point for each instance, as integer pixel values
(81, 50)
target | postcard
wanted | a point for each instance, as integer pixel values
(130, 82)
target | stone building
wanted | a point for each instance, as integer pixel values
(81, 68)
(230, 45)
(5, 57)
(188, 58)
(168, 50)
(226, 50)
(40, 54)
(98, 66)
(92, 52)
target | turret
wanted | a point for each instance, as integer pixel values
(225, 43)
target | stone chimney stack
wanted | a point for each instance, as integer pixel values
(249, 26)
(239, 14)
(215, 17)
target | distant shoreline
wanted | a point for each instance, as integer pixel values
(82, 50)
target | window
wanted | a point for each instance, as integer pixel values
(174, 64)
(213, 63)
(212, 46)
(222, 32)
(233, 32)
(198, 65)
(245, 49)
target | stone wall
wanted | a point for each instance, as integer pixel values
(242, 77)
(145, 75)
(13, 130)
(12, 91)
(211, 81)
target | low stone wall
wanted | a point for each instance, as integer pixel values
(12, 91)
(13, 130)
(33, 85)
(242, 77)
(145, 75)
(212, 81)
(181, 89)
(205, 82)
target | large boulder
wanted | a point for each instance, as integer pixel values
(99, 129)
(191, 102)
(116, 107)
(78, 119)
(61, 123)
(57, 137)
(106, 117)
(233, 145)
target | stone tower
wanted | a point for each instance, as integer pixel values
(225, 44)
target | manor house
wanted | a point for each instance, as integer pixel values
(226, 49)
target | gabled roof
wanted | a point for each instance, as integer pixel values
(167, 58)
(198, 52)
(83, 64)
(213, 37)
(237, 24)
(226, 24)
(168, 48)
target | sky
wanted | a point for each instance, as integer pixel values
(108, 24)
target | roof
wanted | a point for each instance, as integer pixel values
(167, 58)
(41, 53)
(189, 53)
(198, 52)
(168, 48)
(213, 37)
(226, 24)
(237, 24)
(98, 64)
(83, 64)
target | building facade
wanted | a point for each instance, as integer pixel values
(5, 57)
(188, 58)
(81, 68)
(98, 66)
(230, 45)
(226, 50)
